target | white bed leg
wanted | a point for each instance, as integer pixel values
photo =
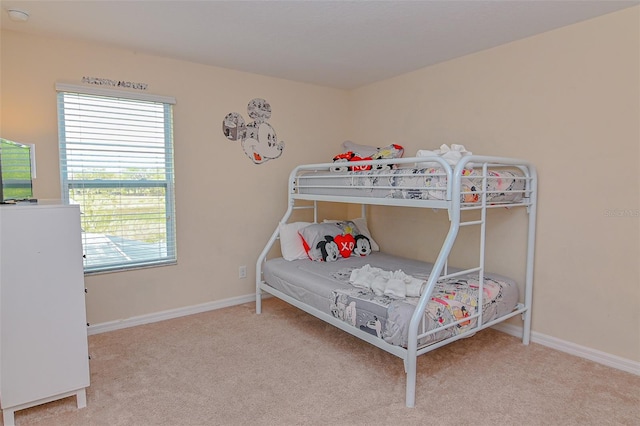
(258, 302)
(526, 331)
(410, 367)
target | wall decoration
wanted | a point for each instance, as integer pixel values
(114, 83)
(258, 138)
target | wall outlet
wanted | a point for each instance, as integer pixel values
(242, 271)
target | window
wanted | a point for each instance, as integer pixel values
(116, 162)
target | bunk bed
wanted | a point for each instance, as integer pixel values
(443, 305)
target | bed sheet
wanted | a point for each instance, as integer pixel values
(325, 286)
(503, 186)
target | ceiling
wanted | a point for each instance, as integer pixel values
(341, 44)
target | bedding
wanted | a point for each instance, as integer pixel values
(291, 242)
(293, 246)
(361, 224)
(430, 183)
(356, 152)
(452, 155)
(331, 241)
(326, 287)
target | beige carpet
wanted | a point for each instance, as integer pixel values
(284, 367)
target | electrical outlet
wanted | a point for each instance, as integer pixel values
(242, 272)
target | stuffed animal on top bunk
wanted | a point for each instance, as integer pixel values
(356, 152)
(350, 156)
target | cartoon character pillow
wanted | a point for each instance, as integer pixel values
(364, 152)
(347, 157)
(329, 242)
(319, 242)
(362, 246)
(361, 243)
(360, 227)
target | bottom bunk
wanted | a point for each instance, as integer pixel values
(333, 288)
(326, 290)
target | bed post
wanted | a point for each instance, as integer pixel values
(411, 369)
(274, 236)
(263, 256)
(411, 363)
(531, 242)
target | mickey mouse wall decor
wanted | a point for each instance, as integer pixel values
(258, 138)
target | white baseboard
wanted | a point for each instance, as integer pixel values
(573, 349)
(542, 339)
(169, 314)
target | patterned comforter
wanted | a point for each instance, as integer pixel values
(502, 186)
(452, 300)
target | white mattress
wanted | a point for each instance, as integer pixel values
(325, 286)
(502, 186)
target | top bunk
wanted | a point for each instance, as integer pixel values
(475, 182)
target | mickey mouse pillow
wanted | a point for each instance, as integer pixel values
(329, 242)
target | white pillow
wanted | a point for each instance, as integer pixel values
(361, 224)
(451, 155)
(362, 150)
(316, 233)
(291, 242)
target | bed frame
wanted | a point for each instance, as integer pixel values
(451, 202)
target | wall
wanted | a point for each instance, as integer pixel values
(227, 206)
(567, 100)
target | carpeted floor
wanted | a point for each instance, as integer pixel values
(285, 367)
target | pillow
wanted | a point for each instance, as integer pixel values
(357, 152)
(361, 224)
(452, 155)
(318, 241)
(362, 150)
(290, 241)
(390, 151)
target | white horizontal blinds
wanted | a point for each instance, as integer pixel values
(116, 159)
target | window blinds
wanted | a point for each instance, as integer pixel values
(116, 162)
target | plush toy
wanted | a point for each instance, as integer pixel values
(346, 243)
(328, 249)
(362, 246)
(343, 245)
(391, 151)
(365, 152)
(351, 156)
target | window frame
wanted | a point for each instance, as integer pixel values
(168, 183)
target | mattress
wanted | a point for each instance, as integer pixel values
(325, 286)
(502, 186)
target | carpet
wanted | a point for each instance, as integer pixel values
(285, 367)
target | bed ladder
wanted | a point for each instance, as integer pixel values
(441, 265)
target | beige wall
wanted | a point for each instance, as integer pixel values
(227, 206)
(567, 100)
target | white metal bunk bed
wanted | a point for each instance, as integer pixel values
(449, 189)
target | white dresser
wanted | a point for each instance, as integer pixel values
(43, 329)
